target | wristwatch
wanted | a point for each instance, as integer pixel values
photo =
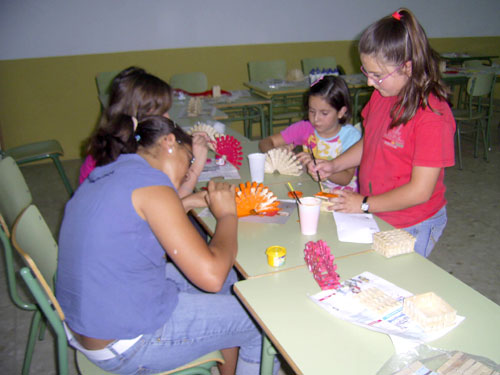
(365, 206)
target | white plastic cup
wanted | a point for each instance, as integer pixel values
(309, 210)
(257, 162)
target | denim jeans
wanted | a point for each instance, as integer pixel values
(428, 232)
(201, 323)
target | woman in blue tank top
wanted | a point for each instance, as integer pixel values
(123, 311)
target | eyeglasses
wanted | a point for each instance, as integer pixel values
(190, 153)
(377, 80)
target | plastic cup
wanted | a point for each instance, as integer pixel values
(309, 209)
(257, 162)
(276, 256)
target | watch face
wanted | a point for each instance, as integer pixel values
(365, 207)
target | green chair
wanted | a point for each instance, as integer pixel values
(33, 240)
(475, 117)
(15, 194)
(103, 82)
(194, 82)
(37, 151)
(284, 108)
(266, 70)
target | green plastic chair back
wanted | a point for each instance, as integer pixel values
(31, 236)
(103, 82)
(320, 63)
(36, 151)
(15, 195)
(33, 240)
(194, 82)
(265, 70)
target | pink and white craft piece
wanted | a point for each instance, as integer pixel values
(319, 259)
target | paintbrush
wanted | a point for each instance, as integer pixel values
(294, 193)
(317, 173)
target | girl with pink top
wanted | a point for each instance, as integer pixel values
(326, 133)
(138, 94)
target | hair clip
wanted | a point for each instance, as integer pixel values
(135, 122)
(396, 15)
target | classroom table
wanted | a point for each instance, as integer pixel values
(242, 105)
(457, 58)
(313, 341)
(178, 112)
(276, 90)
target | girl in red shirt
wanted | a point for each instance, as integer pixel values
(408, 138)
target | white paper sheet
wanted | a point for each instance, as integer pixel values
(357, 228)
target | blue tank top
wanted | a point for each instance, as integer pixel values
(111, 268)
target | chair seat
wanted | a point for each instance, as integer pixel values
(207, 362)
(35, 151)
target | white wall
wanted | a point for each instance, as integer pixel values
(41, 28)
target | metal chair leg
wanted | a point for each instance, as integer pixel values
(62, 173)
(30, 346)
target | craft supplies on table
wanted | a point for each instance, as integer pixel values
(377, 304)
(276, 256)
(214, 170)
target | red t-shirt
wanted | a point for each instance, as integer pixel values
(427, 140)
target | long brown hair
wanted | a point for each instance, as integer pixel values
(397, 39)
(124, 135)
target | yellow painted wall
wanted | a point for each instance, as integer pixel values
(56, 97)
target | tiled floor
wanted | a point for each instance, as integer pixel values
(468, 248)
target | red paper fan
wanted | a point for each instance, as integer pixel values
(229, 147)
(320, 262)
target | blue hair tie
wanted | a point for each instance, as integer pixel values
(137, 137)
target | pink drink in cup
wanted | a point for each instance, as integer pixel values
(309, 209)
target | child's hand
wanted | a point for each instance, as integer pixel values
(325, 168)
(347, 201)
(290, 147)
(221, 199)
(304, 157)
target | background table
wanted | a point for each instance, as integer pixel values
(315, 342)
(276, 90)
(457, 58)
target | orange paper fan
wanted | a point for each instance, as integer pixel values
(255, 199)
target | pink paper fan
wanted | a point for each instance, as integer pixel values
(319, 259)
(229, 147)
